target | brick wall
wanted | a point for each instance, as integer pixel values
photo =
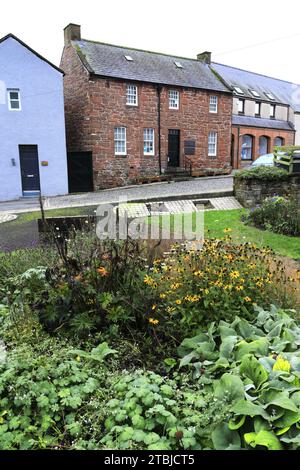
(288, 137)
(95, 106)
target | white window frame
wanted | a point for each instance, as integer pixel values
(132, 95)
(212, 140)
(120, 137)
(174, 99)
(147, 140)
(213, 104)
(10, 100)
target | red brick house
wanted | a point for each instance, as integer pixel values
(265, 114)
(133, 115)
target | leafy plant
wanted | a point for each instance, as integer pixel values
(277, 214)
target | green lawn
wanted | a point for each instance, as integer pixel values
(217, 221)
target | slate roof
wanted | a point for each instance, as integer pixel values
(285, 92)
(107, 60)
(12, 36)
(259, 122)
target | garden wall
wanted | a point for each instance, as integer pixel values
(252, 192)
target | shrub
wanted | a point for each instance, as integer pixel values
(262, 173)
(254, 368)
(45, 390)
(194, 288)
(156, 413)
(277, 214)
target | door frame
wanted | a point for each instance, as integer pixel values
(178, 133)
(33, 192)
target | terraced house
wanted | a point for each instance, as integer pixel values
(266, 113)
(133, 115)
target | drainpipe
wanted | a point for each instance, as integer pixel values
(159, 90)
(238, 148)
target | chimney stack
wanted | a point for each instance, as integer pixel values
(72, 32)
(205, 57)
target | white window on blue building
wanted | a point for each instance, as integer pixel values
(14, 100)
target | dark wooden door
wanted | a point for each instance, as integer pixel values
(80, 170)
(29, 164)
(174, 148)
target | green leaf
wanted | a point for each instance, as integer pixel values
(223, 437)
(259, 347)
(253, 370)
(235, 425)
(280, 399)
(229, 386)
(288, 419)
(151, 438)
(138, 422)
(263, 438)
(126, 435)
(247, 408)
(227, 346)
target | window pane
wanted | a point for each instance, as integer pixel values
(241, 106)
(173, 99)
(247, 144)
(120, 140)
(212, 144)
(278, 142)
(15, 104)
(263, 145)
(213, 106)
(14, 95)
(131, 95)
(149, 141)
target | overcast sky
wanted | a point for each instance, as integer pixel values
(261, 35)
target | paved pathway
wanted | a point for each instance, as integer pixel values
(202, 187)
(5, 217)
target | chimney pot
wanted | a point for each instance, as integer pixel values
(205, 57)
(72, 32)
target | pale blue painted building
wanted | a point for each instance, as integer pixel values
(33, 155)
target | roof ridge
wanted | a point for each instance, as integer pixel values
(255, 73)
(141, 50)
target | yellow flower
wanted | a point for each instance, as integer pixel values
(162, 296)
(198, 274)
(227, 230)
(149, 281)
(170, 309)
(175, 286)
(247, 299)
(102, 271)
(154, 307)
(234, 275)
(282, 365)
(239, 288)
(178, 302)
(153, 322)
